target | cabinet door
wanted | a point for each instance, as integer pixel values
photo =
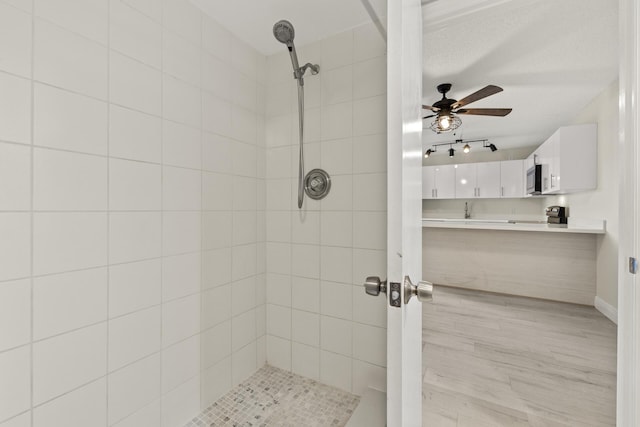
(428, 182)
(545, 158)
(466, 181)
(446, 182)
(488, 180)
(554, 163)
(512, 174)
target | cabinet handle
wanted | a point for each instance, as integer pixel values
(478, 191)
(501, 191)
(552, 178)
(436, 193)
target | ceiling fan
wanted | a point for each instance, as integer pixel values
(446, 110)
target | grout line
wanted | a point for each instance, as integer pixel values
(108, 225)
(31, 215)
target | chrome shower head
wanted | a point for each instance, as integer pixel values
(283, 31)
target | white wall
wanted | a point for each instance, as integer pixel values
(131, 212)
(601, 203)
(320, 323)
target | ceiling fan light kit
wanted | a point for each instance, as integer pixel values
(446, 110)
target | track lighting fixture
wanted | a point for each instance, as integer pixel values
(465, 149)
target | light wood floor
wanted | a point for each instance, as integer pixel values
(496, 360)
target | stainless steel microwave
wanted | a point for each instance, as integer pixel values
(534, 180)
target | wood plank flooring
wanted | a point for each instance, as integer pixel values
(498, 360)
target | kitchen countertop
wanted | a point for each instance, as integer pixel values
(574, 226)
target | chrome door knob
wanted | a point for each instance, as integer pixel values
(423, 290)
(373, 286)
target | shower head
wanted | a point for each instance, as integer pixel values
(283, 31)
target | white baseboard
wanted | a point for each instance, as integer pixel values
(607, 309)
(371, 411)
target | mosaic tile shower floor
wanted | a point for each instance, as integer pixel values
(273, 397)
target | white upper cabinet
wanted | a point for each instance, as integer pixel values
(438, 182)
(478, 180)
(512, 174)
(569, 160)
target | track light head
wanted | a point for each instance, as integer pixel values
(451, 152)
(428, 153)
(493, 147)
(466, 149)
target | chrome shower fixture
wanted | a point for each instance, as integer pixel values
(283, 32)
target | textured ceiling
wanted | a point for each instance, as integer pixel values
(551, 58)
(252, 20)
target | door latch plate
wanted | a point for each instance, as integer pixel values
(633, 265)
(395, 294)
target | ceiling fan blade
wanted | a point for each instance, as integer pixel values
(476, 96)
(428, 117)
(498, 112)
(429, 107)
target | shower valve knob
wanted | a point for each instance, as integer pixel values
(373, 286)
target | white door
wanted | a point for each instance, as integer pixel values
(404, 226)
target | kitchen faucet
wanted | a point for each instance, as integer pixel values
(467, 212)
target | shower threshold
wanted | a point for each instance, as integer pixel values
(274, 397)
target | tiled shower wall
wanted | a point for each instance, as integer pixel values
(131, 212)
(320, 323)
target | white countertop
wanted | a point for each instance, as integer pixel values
(574, 226)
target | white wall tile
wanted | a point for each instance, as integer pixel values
(181, 232)
(368, 42)
(279, 194)
(335, 335)
(216, 39)
(68, 181)
(244, 363)
(15, 245)
(151, 8)
(337, 121)
(23, 420)
(134, 85)
(216, 115)
(15, 177)
(337, 228)
(15, 314)
(216, 344)
(15, 109)
(133, 337)
(82, 407)
(180, 58)
(305, 294)
(133, 387)
(15, 382)
(244, 261)
(216, 381)
(181, 102)
(244, 227)
(279, 258)
(370, 230)
(366, 375)
(134, 286)
(134, 236)
(367, 194)
(243, 57)
(68, 60)
(335, 370)
(216, 267)
(181, 145)
(216, 75)
(135, 34)
(337, 50)
(244, 159)
(244, 125)
(67, 361)
(134, 185)
(305, 227)
(337, 157)
(279, 321)
(183, 18)
(370, 116)
(217, 192)
(338, 85)
(15, 46)
(181, 189)
(217, 229)
(86, 17)
(370, 344)
(69, 121)
(370, 311)
(305, 360)
(368, 263)
(180, 363)
(336, 264)
(279, 289)
(243, 295)
(215, 306)
(180, 319)
(305, 328)
(134, 135)
(304, 261)
(370, 78)
(217, 153)
(179, 405)
(68, 301)
(341, 196)
(243, 328)
(68, 241)
(370, 153)
(180, 275)
(336, 300)
(149, 416)
(279, 352)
